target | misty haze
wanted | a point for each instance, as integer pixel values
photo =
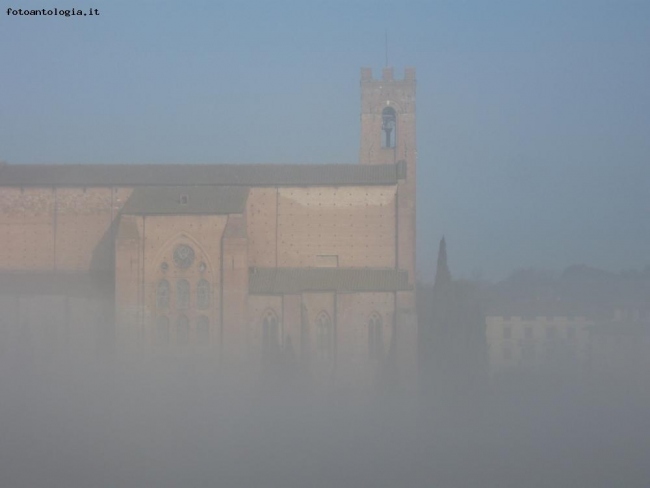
(325, 245)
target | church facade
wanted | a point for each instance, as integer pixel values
(239, 261)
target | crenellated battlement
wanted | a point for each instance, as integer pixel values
(387, 74)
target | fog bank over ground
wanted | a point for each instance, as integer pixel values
(178, 422)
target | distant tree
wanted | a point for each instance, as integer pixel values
(443, 275)
(452, 334)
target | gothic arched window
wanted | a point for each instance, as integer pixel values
(182, 294)
(162, 330)
(375, 340)
(203, 330)
(271, 334)
(182, 330)
(203, 295)
(162, 295)
(324, 336)
(388, 127)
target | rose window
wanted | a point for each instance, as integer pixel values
(183, 256)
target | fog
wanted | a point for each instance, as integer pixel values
(212, 271)
(180, 425)
(183, 418)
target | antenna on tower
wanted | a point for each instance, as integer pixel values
(386, 46)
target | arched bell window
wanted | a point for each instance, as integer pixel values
(271, 334)
(182, 330)
(388, 127)
(182, 294)
(162, 295)
(203, 295)
(375, 339)
(324, 336)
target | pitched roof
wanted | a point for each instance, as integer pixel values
(169, 200)
(274, 281)
(196, 174)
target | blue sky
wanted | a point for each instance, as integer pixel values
(533, 117)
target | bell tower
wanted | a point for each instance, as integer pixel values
(387, 118)
(388, 137)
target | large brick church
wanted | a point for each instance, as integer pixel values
(238, 261)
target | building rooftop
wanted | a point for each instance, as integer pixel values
(183, 200)
(198, 174)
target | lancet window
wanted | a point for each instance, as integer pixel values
(271, 334)
(203, 295)
(162, 295)
(324, 336)
(182, 294)
(375, 339)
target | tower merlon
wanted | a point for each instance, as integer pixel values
(387, 75)
(409, 73)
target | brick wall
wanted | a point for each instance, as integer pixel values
(26, 228)
(322, 226)
(355, 310)
(349, 315)
(62, 229)
(261, 216)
